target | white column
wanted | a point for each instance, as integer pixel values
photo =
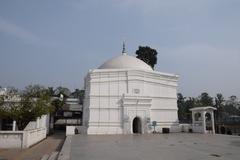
(14, 126)
(193, 118)
(193, 121)
(212, 118)
(204, 121)
(38, 124)
(44, 121)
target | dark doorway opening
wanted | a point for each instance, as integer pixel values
(137, 126)
(223, 131)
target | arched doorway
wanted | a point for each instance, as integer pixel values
(197, 116)
(137, 126)
(208, 119)
(223, 131)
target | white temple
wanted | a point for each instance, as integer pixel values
(124, 96)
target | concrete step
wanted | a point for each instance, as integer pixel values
(45, 157)
(53, 156)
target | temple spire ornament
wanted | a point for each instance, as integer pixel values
(124, 49)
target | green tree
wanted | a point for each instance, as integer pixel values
(219, 104)
(1, 100)
(190, 103)
(184, 106)
(58, 104)
(232, 106)
(219, 100)
(51, 91)
(78, 94)
(148, 55)
(33, 102)
(204, 100)
(233, 100)
(34, 91)
(231, 110)
(62, 91)
(181, 107)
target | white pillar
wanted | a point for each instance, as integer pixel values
(204, 121)
(14, 126)
(193, 118)
(43, 120)
(212, 118)
(193, 121)
(38, 125)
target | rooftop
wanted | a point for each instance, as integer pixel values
(180, 146)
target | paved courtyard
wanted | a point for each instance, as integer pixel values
(53, 143)
(155, 147)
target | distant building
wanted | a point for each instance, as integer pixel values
(69, 115)
(10, 135)
(3, 91)
(229, 125)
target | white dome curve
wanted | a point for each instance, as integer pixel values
(125, 62)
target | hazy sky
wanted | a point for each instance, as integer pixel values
(56, 42)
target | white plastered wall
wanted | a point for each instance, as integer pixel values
(104, 110)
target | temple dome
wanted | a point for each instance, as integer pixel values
(125, 62)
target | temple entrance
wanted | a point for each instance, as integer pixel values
(208, 119)
(137, 126)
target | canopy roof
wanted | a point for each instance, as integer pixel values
(202, 108)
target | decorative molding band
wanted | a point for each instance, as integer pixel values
(110, 108)
(160, 109)
(133, 71)
(141, 80)
(130, 96)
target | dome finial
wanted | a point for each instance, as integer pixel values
(124, 49)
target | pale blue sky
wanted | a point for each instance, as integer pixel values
(55, 42)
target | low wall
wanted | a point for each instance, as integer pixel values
(21, 139)
(198, 128)
(66, 149)
(11, 139)
(70, 130)
(34, 136)
(185, 127)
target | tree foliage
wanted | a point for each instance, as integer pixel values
(232, 106)
(225, 108)
(219, 104)
(62, 91)
(148, 55)
(34, 91)
(31, 103)
(182, 109)
(78, 94)
(184, 104)
(204, 100)
(58, 104)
